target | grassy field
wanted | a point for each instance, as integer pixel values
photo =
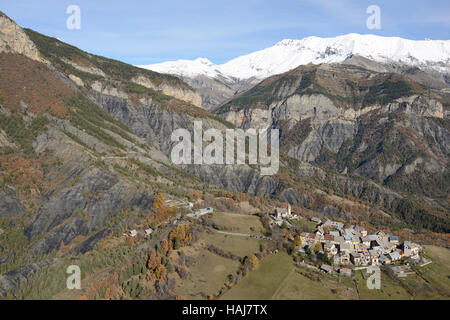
(304, 284)
(390, 288)
(262, 283)
(240, 223)
(239, 246)
(207, 276)
(419, 288)
(437, 274)
(278, 278)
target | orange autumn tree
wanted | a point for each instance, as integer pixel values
(153, 260)
(164, 245)
(160, 273)
(160, 211)
(288, 235)
(183, 235)
(253, 261)
(196, 195)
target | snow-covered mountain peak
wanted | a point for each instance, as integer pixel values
(290, 53)
(186, 68)
(204, 61)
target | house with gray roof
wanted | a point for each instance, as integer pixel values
(330, 248)
(374, 257)
(365, 258)
(385, 259)
(355, 258)
(335, 233)
(401, 271)
(203, 211)
(327, 268)
(361, 231)
(346, 247)
(344, 258)
(334, 224)
(393, 239)
(394, 256)
(339, 240)
(366, 241)
(348, 238)
(410, 248)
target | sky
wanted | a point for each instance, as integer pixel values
(150, 31)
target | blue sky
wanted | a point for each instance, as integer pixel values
(144, 32)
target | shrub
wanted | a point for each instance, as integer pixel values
(16, 128)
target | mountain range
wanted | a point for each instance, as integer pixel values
(432, 56)
(289, 54)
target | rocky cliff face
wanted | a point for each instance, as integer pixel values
(380, 126)
(84, 208)
(155, 125)
(187, 95)
(14, 39)
(11, 281)
(214, 91)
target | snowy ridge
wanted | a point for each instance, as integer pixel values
(289, 54)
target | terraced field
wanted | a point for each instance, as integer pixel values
(239, 223)
(278, 278)
(262, 283)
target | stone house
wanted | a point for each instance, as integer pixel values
(374, 257)
(393, 239)
(410, 249)
(361, 231)
(335, 233)
(344, 259)
(365, 258)
(346, 248)
(385, 259)
(366, 241)
(394, 256)
(330, 248)
(327, 268)
(355, 258)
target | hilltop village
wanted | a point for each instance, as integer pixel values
(337, 247)
(344, 247)
(245, 242)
